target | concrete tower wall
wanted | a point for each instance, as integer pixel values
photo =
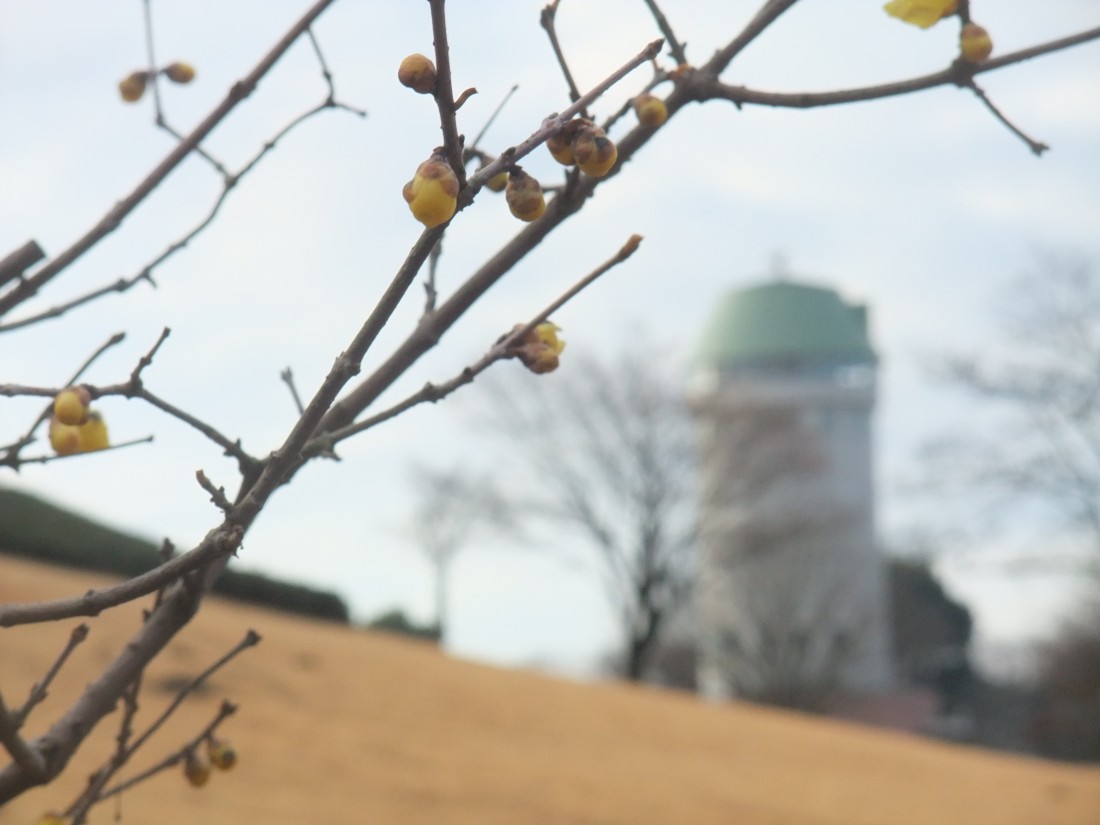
(791, 602)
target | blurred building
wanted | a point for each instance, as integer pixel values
(791, 601)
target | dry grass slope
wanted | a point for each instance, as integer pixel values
(342, 727)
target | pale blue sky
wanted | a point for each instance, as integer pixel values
(922, 207)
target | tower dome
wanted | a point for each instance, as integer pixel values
(783, 321)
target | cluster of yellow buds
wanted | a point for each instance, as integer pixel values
(585, 144)
(975, 44)
(540, 348)
(74, 427)
(196, 767)
(132, 87)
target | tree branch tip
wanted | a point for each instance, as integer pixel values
(631, 246)
(462, 98)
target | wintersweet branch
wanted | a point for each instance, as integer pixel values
(216, 544)
(675, 47)
(41, 688)
(554, 122)
(444, 93)
(547, 20)
(114, 218)
(500, 350)
(703, 88)
(226, 710)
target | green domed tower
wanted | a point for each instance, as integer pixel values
(791, 599)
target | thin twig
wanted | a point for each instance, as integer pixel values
(477, 141)
(41, 688)
(443, 92)
(154, 81)
(251, 639)
(217, 494)
(248, 464)
(1037, 147)
(226, 710)
(675, 47)
(547, 20)
(288, 379)
(50, 459)
(147, 359)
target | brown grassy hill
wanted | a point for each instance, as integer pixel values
(339, 727)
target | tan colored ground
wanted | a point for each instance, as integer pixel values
(338, 726)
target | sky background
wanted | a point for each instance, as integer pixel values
(923, 207)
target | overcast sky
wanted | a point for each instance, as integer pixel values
(922, 207)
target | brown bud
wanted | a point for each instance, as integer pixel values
(524, 196)
(417, 73)
(132, 87)
(180, 72)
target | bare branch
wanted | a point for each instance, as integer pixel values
(16, 263)
(1035, 146)
(226, 710)
(217, 494)
(768, 14)
(288, 379)
(251, 639)
(114, 218)
(502, 349)
(704, 89)
(41, 688)
(147, 359)
(546, 19)
(675, 47)
(444, 94)
(477, 141)
(217, 543)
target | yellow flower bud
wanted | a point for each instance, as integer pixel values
(417, 73)
(594, 151)
(51, 818)
(132, 87)
(651, 110)
(92, 434)
(432, 194)
(560, 143)
(70, 406)
(64, 439)
(497, 182)
(975, 44)
(540, 348)
(524, 196)
(196, 769)
(222, 755)
(180, 72)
